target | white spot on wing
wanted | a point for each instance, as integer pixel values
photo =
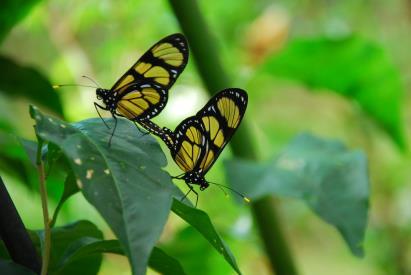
(77, 161)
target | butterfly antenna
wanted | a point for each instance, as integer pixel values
(71, 85)
(221, 186)
(92, 80)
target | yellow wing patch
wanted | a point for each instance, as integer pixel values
(213, 127)
(170, 54)
(159, 74)
(187, 156)
(190, 149)
(207, 160)
(229, 110)
(151, 95)
(194, 135)
(128, 109)
(124, 82)
(137, 102)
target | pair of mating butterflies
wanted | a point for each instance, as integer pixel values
(142, 92)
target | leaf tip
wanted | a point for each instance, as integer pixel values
(32, 110)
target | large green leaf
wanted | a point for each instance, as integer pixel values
(11, 12)
(17, 80)
(202, 223)
(67, 240)
(124, 182)
(331, 179)
(352, 67)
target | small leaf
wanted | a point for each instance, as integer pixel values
(125, 182)
(332, 180)
(11, 268)
(17, 80)
(65, 240)
(164, 264)
(202, 223)
(353, 67)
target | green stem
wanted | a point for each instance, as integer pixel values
(46, 219)
(203, 48)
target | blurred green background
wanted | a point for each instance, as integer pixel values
(64, 40)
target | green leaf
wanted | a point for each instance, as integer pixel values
(11, 12)
(65, 241)
(125, 182)
(352, 67)
(164, 264)
(17, 80)
(11, 268)
(202, 223)
(331, 179)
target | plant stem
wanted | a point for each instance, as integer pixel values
(203, 47)
(46, 219)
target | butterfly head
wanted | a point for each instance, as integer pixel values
(107, 97)
(195, 177)
(102, 93)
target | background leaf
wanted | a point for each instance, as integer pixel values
(370, 78)
(332, 180)
(17, 80)
(11, 12)
(124, 182)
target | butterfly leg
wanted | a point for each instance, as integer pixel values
(114, 129)
(138, 128)
(178, 177)
(191, 189)
(98, 112)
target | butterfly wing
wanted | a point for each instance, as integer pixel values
(220, 118)
(190, 144)
(159, 66)
(200, 139)
(141, 101)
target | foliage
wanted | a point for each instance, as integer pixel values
(127, 184)
(370, 78)
(330, 179)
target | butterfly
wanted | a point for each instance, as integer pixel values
(198, 140)
(142, 92)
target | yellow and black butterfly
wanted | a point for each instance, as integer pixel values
(198, 140)
(142, 92)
